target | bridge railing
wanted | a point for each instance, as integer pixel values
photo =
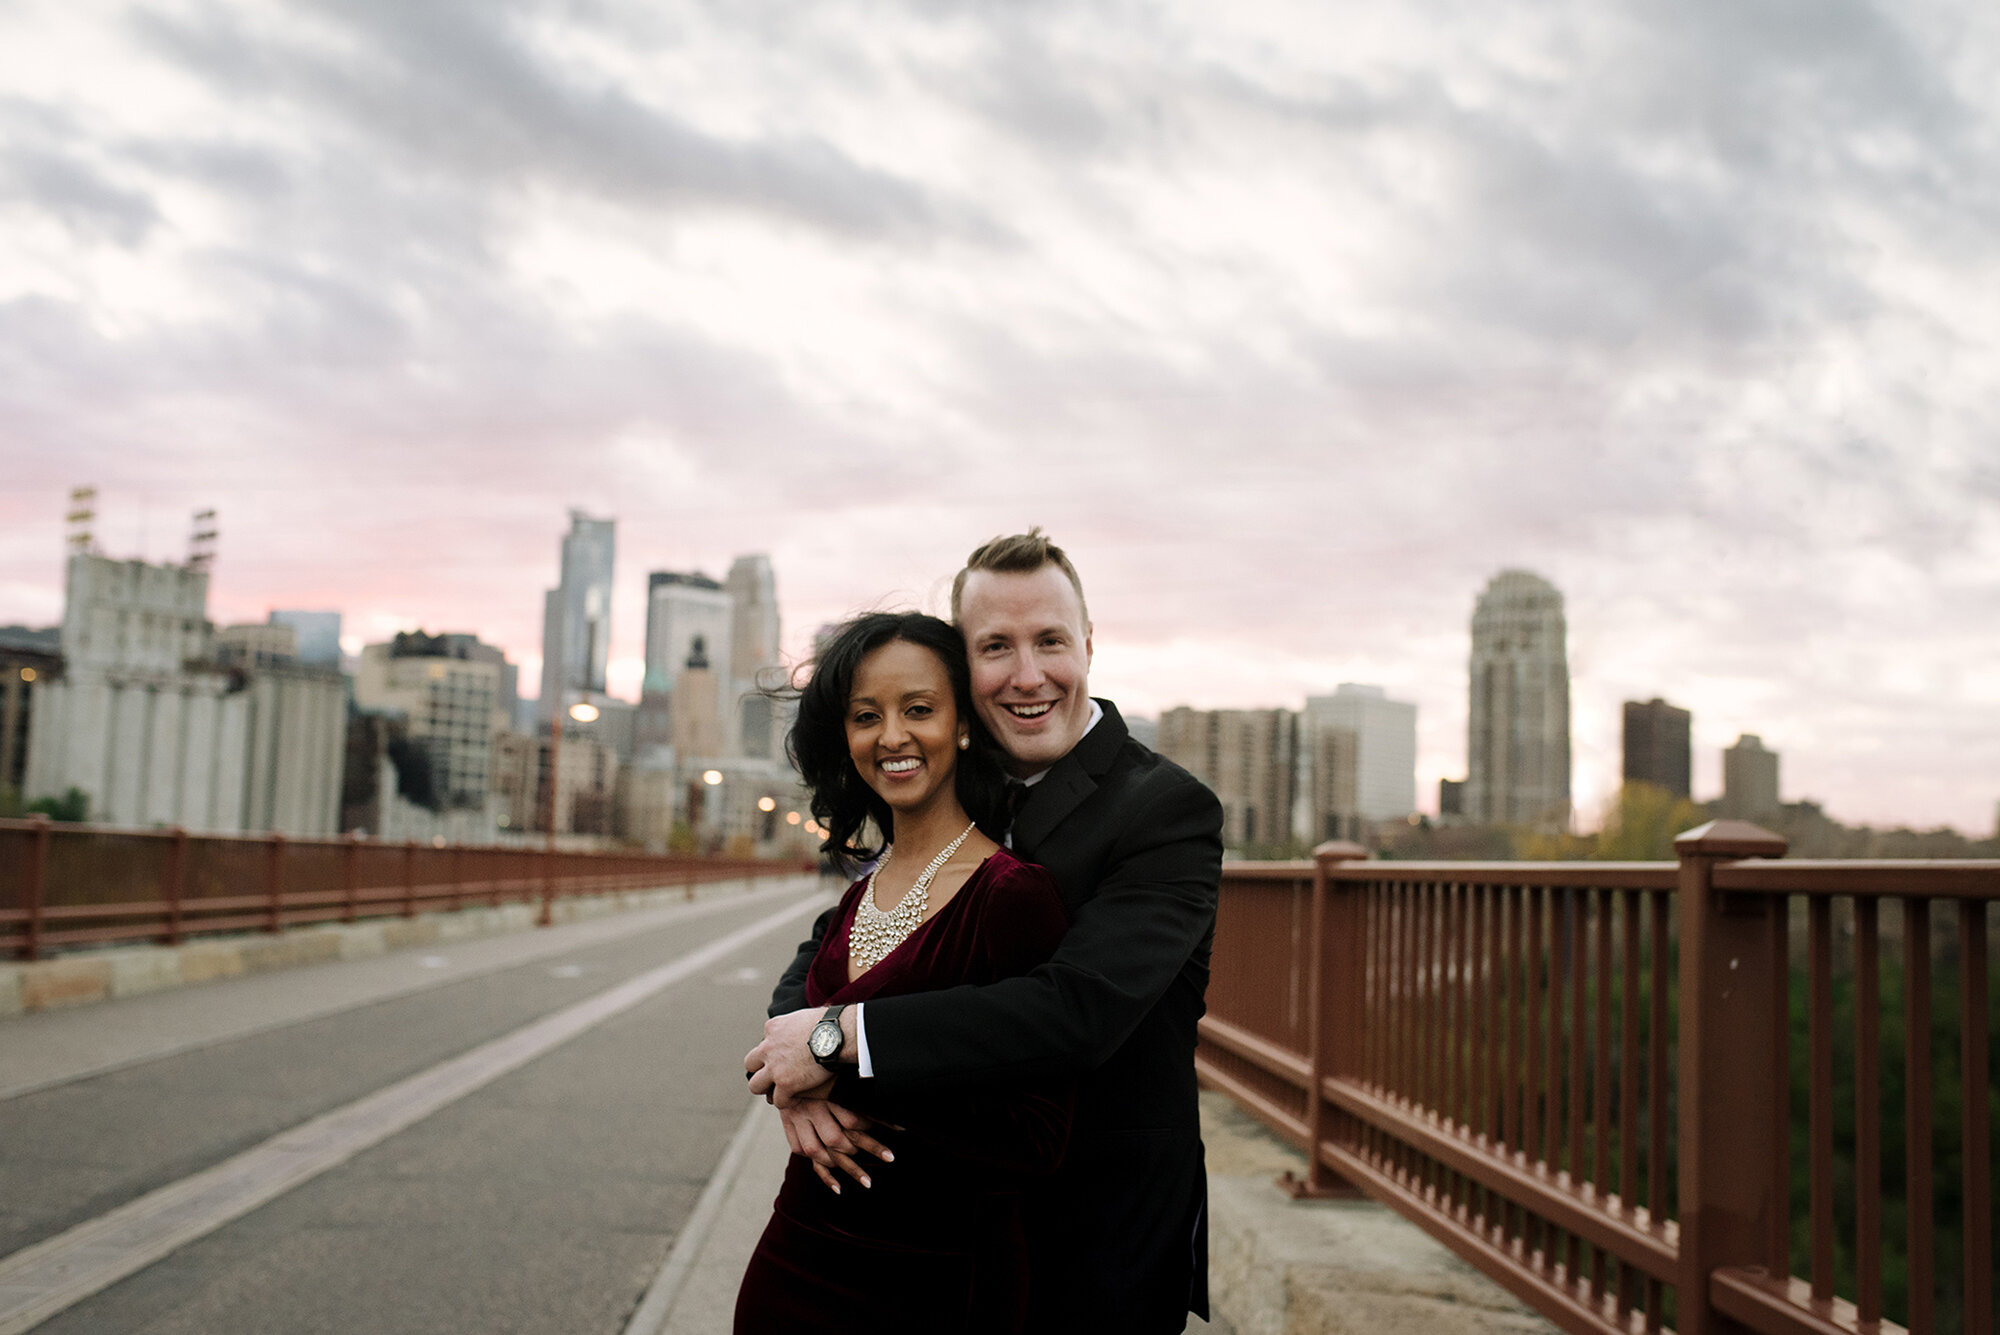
(65, 885)
(1641, 1096)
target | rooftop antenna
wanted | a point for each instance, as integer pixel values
(82, 514)
(201, 541)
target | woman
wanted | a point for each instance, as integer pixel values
(886, 735)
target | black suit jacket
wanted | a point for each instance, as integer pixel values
(1135, 844)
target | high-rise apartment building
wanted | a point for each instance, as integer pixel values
(1247, 756)
(1517, 740)
(447, 687)
(1657, 749)
(697, 709)
(576, 616)
(1375, 768)
(688, 615)
(1749, 780)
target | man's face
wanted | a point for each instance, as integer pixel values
(1029, 647)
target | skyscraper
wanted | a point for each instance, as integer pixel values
(687, 616)
(1246, 757)
(1380, 757)
(1749, 779)
(1517, 743)
(753, 595)
(576, 616)
(1656, 746)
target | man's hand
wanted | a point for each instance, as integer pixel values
(830, 1136)
(782, 1068)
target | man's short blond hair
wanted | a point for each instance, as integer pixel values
(1019, 554)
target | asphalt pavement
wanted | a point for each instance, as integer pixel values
(550, 1195)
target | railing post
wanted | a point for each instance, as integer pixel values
(35, 884)
(350, 883)
(409, 878)
(1328, 1003)
(457, 876)
(176, 883)
(274, 883)
(1730, 1120)
(547, 916)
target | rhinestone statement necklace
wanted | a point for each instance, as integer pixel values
(875, 933)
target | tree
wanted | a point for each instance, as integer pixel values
(1643, 823)
(73, 805)
(415, 779)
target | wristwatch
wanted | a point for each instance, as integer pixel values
(826, 1040)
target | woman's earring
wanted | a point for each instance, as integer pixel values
(964, 741)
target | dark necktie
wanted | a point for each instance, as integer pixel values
(1017, 793)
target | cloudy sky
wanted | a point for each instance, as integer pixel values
(1294, 322)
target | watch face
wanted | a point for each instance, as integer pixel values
(825, 1040)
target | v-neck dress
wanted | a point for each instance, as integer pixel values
(936, 1245)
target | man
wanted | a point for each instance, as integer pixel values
(1134, 842)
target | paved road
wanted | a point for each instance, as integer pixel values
(545, 1199)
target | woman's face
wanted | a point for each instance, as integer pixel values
(902, 726)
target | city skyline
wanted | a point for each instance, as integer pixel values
(1293, 326)
(1601, 759)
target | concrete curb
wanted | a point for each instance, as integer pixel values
(1283, 1267)
(85, 977)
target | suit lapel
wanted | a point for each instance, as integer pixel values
(1070, 780)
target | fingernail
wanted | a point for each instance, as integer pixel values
(865, 1182)
(888, 1156)
(836, 1188)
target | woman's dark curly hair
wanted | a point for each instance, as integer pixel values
(842, 801)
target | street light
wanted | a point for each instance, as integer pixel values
(583, 712)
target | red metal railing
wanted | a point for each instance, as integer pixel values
(70, 885)
(1586, 1078)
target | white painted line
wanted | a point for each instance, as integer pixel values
(516, 949)
(658, 1304)
(39, 1281)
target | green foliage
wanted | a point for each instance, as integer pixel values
(10, 802)
(1947, 1150)
(73, 805)
(1643, 823)
(1550, 845)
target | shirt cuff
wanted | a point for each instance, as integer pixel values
(861, 1042)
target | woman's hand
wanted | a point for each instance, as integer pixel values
(829, 1136)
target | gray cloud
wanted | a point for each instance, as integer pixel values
(1678, 305)
(458, 88)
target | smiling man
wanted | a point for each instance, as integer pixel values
(1134, 842)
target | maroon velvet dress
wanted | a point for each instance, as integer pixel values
(936, 1245)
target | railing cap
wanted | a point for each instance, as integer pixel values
(1730, 839)
(1339, 850)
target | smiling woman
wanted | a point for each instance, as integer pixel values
(879, 692)
(933, 1241)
